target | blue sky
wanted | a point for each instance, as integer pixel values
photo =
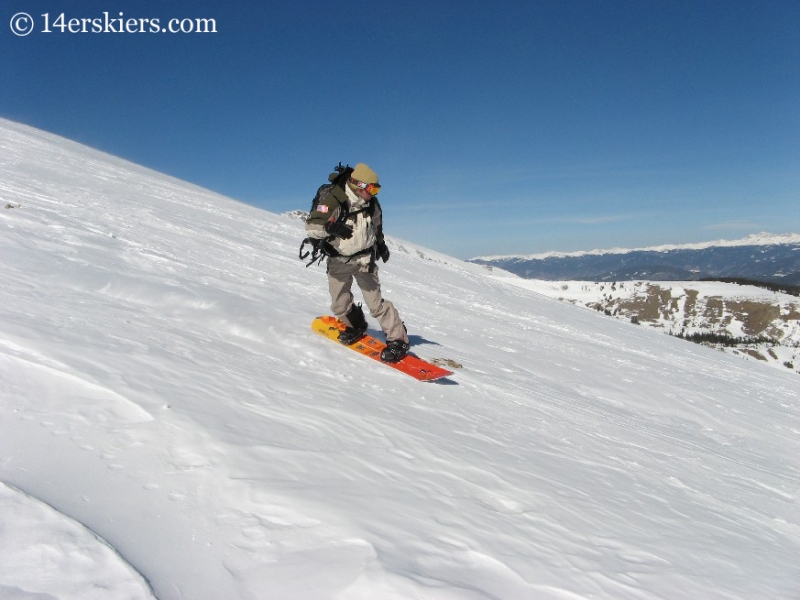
(496, 128)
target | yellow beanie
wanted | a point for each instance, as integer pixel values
(363, 173)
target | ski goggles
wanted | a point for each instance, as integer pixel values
(372, 188)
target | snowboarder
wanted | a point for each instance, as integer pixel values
(347, 220)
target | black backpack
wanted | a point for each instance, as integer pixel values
(321, 249)
(339, 177)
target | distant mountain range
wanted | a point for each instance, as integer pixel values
(762, 257)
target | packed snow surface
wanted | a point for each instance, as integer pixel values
(170, 426)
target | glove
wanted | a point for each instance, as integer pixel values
(339, 230)
(383, 252)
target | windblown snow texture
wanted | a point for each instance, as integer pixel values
(170, 426)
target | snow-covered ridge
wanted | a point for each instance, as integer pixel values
(756, 239)
(695, 308)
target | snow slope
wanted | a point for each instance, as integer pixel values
(170, 427)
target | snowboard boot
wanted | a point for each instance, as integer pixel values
(395, 351)
(357, 328)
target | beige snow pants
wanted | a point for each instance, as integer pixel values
(365, 272)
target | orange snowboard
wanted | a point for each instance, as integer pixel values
(369, 346)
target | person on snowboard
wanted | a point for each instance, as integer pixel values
(347, 224)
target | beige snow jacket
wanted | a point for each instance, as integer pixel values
(364, 216)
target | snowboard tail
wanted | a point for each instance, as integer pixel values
(370, 347)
